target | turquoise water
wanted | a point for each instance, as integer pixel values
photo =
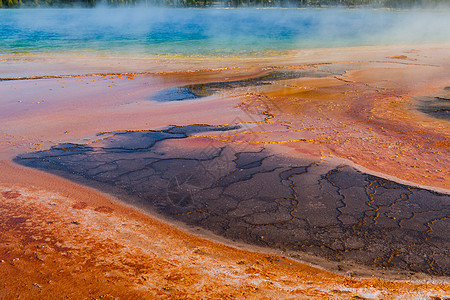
(157, 31)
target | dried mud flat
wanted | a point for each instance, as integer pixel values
(69, 241)
(326, 158)
(254, 195)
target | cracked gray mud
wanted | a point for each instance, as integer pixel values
(257, 196)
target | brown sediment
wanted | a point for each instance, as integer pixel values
(365, 116)
(402, 57)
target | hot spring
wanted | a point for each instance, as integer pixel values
(214, 31)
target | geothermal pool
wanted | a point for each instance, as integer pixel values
(215, 31)
(318, 136)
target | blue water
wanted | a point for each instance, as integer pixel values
(151, 31)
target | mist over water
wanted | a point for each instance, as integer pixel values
(214, 31)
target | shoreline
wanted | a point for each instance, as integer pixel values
(90, 64)
(21, 136)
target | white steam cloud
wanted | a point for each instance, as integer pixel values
(209, 31)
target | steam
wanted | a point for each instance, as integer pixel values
(160, 31)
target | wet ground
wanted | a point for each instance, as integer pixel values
(199, 90)
(255, 195)
(437, 106)
(60, 238)
(321, 155)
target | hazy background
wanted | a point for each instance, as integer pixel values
(169, 31)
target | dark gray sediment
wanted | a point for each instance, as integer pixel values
(437, 106)
(200, 90)
(257, 196)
